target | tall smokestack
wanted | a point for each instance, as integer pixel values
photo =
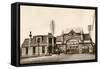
(52, 27)
(82, 34)
(90, 29)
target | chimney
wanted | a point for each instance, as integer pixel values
(52, 27)
(90, 29)
(82, 33)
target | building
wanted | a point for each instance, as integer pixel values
(40, 45)
(67, 43)
(74, 42)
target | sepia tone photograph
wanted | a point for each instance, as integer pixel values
(50, 34)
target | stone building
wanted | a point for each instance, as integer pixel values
(72, 42)
(75, 42)
(68, 43)
(39, 45)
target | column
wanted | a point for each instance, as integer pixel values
(46, 48)
(36, 51)
(23, 52)
(30, 52)
(40, 50)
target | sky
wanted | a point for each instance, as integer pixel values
(38, 19)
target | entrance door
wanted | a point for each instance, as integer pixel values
(72, 46)
(50, 46)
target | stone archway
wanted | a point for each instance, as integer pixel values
(72, 46)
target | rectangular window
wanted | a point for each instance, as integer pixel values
(33, 50)
(42, 38)
(50, 40)
(38, 40)
(26, 50)
(43, 49)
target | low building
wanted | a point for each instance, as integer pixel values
(68, 43)
(75, 42)
(39, 45)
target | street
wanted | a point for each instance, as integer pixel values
(57, 58)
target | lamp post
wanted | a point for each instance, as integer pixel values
(30, 35)
(29, 48)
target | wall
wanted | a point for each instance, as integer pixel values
(5, 36)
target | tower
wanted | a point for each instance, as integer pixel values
(82, 33)
(91, 49)
(90, 29)
(63, 36)
(52, 27)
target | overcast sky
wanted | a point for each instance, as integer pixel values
(38, 19)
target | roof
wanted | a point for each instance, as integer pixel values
(26, 42)
(76, 30)
(73, 32)
(59, 38)
(39, 35)
(49, 34)
(86, 36)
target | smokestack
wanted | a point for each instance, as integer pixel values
(52, 27)
(90, 29)
(82, 34)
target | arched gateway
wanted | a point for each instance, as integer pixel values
(72, 46)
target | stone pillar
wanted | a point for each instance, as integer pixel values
(52, 44)
(23, 52)
(47, 44)
(80, 49)
(46, 48)
(30, 52)
(90, 49)
(40, 50)
(36, 51)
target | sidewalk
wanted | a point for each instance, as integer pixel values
(57, 58)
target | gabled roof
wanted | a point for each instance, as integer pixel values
(76, 30)
(71, 32)
(26, 42)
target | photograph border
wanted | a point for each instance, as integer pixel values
(15, 33)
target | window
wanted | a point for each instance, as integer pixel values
(50, 40)
(38, 40)
(54, 39)
(33, 50)
(42, 38)
(43, 49)
(76, 46)
(26, 50)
